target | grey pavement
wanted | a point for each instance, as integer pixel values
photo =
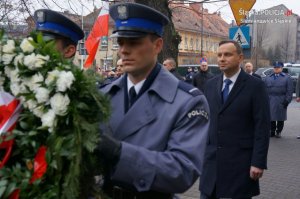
(282, 179)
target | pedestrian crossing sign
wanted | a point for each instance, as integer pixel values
(240, 35)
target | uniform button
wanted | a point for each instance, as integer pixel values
(142, 183)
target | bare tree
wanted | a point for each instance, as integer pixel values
(286, 45)
(171, 36)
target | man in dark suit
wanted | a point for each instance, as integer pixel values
(249, 70)
(238, 139)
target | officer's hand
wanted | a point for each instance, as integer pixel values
(298, 99)
(109, 149)
(285, 104)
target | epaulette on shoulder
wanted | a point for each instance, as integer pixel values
(104, 84)
(189, 88)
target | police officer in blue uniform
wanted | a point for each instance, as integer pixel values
(280, 90)
(56, 26)
(155, 139)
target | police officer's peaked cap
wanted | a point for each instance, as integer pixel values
(136, 20)
(55, 23)
(277, 64)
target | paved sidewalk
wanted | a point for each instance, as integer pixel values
(282, 179)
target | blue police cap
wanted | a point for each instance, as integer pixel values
(136, 20)
(277, 64)
(54, 23)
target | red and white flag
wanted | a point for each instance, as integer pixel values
(99, 30)
(10, 109)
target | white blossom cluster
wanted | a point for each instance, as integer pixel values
(47, 103)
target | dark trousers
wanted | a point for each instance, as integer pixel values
(276, 127)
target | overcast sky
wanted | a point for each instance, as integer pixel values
(226, 12)
(224, 7)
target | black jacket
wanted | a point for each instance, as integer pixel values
(200, 79)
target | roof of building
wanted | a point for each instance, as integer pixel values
(189, 18)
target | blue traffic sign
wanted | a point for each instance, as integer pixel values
(240, 35)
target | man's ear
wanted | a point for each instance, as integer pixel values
(158, 45)
(69, 51)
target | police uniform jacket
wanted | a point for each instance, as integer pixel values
(163, 134)
(298, 87)
(280, 91)
(238, 137)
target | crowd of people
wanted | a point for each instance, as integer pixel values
(165, 132)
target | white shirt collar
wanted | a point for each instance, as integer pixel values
(137, 86)
(232, 78)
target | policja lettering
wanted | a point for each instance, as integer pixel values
(194, 113)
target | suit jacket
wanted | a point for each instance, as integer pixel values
(163, 135)
(238, 137)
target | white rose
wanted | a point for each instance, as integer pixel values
(26, 46)
(7, 71)
(35, 81)
(59, 103)
(64, 81)
(31, 104)
(19, 59)
(23, 88)
(9, 47)
(40, 60)
(51, 77)
(2, 79)
(7, 58)
(48, 120)
(38, 111)
(29, 61)
(14, 75)
(42, 94)
(14, 88)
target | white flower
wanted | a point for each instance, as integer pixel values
(14, 75)
(9, 47)
(2, 79)
(29, 60)
(42, 94)
(7, 58)
(15, 88)
(64, 81)
(38, 111)
(35, 81)
(26, 46)
(48, 120)
(40, 60)
(31, 104)
(7, 71)
(19, 59)
(52, 76)
(59, 103)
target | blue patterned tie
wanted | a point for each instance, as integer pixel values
(226, 89)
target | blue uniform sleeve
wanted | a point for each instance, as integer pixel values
(175, 169)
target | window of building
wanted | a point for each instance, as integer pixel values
(197, 44)
(104, 43)
(191, 44)
(185, 43)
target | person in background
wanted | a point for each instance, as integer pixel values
(189, 75)
(200, 78)
(155, 139)
(119, 68)
(170, 65)
(298, 95)
(238, 138)
(280, 90)
(55, 26)
(249, 69)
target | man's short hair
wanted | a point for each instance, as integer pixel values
(172, 60)
(239, 49)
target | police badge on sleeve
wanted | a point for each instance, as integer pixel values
(198, 112)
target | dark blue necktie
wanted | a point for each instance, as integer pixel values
(226, 89)
(132, 96)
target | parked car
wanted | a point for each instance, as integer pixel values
(292, 71)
